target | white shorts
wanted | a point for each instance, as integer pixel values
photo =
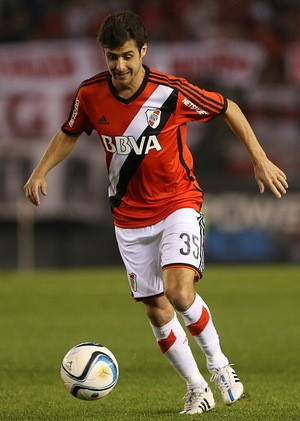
(177, 241)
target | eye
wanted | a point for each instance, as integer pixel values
(112, 56)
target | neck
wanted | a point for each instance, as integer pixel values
(127, 91)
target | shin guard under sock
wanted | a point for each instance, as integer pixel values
(198, 321)
(173, 343)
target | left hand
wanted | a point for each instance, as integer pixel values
(268, 174)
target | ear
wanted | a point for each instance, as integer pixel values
(144, 50)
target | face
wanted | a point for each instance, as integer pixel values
(125, 64)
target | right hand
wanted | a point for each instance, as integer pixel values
(33, 187)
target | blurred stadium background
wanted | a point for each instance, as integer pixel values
(247, 49)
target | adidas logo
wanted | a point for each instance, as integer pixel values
(102, 120)
(204, 405)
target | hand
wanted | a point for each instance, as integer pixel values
(266, 173)
(32, 188)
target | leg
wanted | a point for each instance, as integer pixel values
(182, 243)
(145, 251)
(179, 288)
(173, 343)
(159, 311)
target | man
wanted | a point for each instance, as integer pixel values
(140, 115)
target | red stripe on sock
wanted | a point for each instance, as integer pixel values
(166, 343)
(197, 327)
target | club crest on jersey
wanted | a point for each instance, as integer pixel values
(132, 281)
(153, 118)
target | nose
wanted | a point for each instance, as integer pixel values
(120, 64)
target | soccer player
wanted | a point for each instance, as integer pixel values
(140, 115)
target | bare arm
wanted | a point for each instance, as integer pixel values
(58, 149)
(266, 173)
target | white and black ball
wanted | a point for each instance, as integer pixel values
(89, 371)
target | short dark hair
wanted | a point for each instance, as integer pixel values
(120, 27)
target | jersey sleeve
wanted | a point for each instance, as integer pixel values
(196, 104)
(78, 120)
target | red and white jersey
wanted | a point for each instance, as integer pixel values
(149, 165)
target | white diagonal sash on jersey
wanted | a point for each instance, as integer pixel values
(135, 129)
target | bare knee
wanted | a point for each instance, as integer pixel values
(159, 311)
(179, 294)
(179, 287)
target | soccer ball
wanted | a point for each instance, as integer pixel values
(89, 371)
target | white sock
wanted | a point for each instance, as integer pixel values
(198, 321)
(173, 342)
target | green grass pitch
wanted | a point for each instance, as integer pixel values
(44, 313)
